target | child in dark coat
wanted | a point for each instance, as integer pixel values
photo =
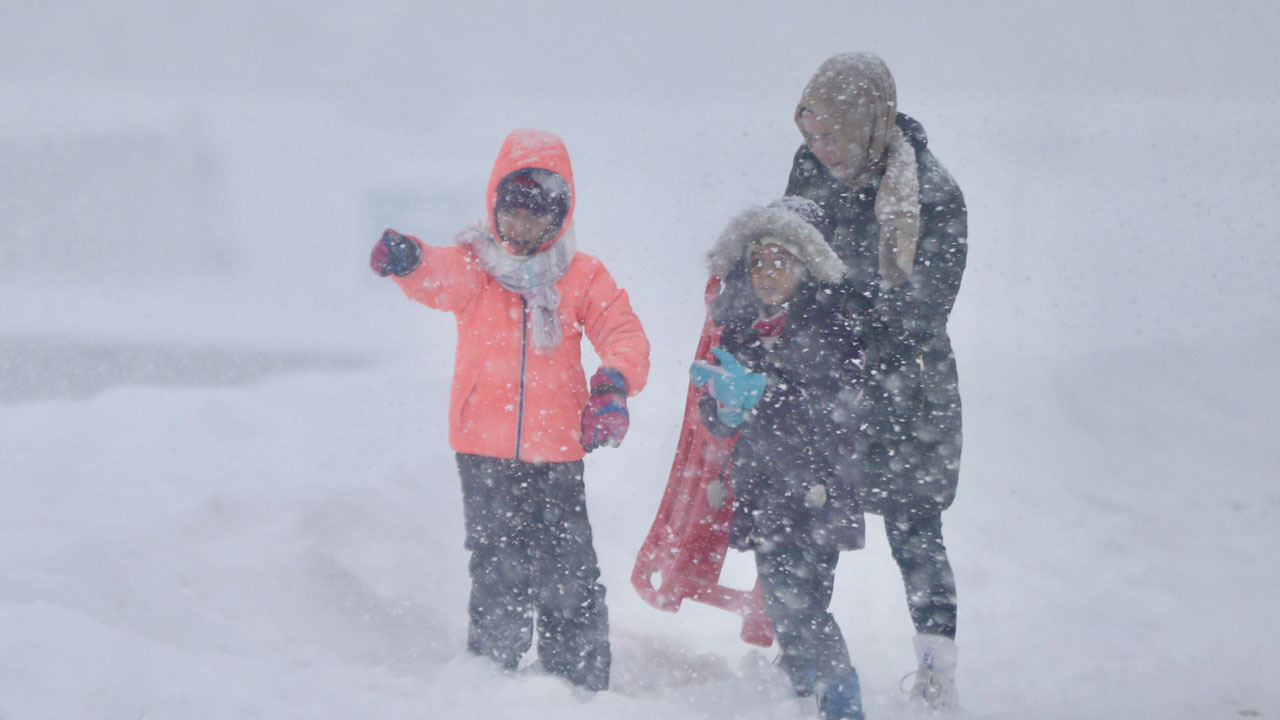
(787, 382)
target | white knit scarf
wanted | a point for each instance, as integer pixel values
(898, 211)
(533, 277)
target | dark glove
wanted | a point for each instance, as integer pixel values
(605, 419)
(395, 254)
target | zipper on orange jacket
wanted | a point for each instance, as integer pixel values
(524, 358)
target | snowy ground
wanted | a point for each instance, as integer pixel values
(291, 547)
(226, 487)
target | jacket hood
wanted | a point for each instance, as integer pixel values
(527, 148)
(855, 93)
(775, 221)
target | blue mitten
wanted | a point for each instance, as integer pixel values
(736, 389)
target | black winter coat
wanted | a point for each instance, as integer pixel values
(910, 447)
(801, 433)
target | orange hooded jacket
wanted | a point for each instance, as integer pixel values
(508, 400)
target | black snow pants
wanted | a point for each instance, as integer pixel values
(797, 582)
(915, 538)
(532, 557)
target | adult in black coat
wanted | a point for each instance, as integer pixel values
(900, 226)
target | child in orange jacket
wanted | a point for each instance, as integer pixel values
(521, 413)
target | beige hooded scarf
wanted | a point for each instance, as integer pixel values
(854, 94)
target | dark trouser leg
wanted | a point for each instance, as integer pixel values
(495, 499)
(915, 537)
(500, 609)
(573, 621)
(797, 584)
(531, 550)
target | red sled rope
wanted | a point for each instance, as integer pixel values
(683, 554)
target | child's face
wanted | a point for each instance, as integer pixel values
(522, 229)
(775, 274)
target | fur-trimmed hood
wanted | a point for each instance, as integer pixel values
(788, 228)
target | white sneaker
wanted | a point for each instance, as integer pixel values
(935, 685)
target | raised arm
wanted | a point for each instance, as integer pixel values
(445, 278)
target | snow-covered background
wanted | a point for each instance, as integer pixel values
(226, 490)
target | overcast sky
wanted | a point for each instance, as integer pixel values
(658, 48)
(1120, 160)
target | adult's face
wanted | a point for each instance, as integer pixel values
(832, 152)
(843, 150)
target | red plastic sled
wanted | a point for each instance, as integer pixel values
(684, 552)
